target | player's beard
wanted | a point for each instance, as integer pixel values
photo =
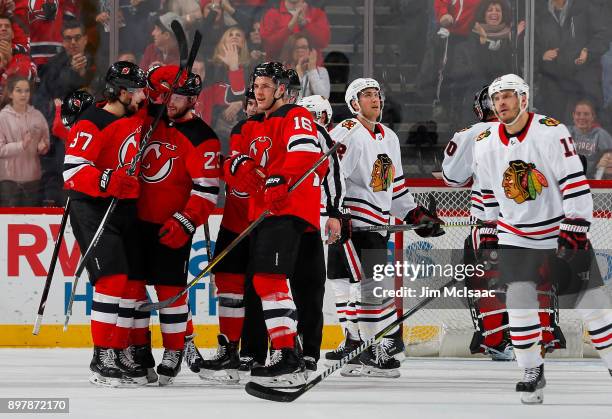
(180, 114)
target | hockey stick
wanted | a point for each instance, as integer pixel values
(45, 293)
(269, 393)
(409, 227)
(209, 255)
(186, 61)
(211, 264)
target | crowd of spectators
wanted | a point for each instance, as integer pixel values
(57, 46)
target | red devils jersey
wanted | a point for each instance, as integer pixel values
(236, 210)
(285, 143)
(180, 171)
(98, 141)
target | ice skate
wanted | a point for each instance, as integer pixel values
(104, 370)
(376, 362)
(284, 370)
(224, 365)
(169, 367)
(192, 356)
(133, 374)
(345, 347)
(532, 385)
(310, 366)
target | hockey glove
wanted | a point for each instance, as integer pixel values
(244, 174)
(160, 78)
(572, 237)
(176, 231)
(488, 245)
(421, 216)
(118, 184)
(343, 215)
(276, 193)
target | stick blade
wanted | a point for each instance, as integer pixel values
(181, 39)
(272, 394)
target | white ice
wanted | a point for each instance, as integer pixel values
(428, 388)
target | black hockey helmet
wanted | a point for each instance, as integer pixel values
(483, 107)
(191, 87)
(124, 74)
(73, 106)
(272, 69)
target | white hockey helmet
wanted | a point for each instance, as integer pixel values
(514, 83)
(316, 105)
(356, 87)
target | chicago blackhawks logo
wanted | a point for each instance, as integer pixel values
(383, 173)
(128, 149)
(349, 124)
(484, 135)
(157, 161)
(522, 182)
(549, 122)
(259, 150)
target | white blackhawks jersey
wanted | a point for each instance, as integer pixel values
(372, 168)
(332, 192)
(531, 182)
(458, 164)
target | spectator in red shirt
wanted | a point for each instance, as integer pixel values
(164, 49)
(456, 15)
(12, 61)
(294, 16)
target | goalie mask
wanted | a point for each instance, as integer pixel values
(517, 85)
(355, 88)
(483, 107)
(317, 105)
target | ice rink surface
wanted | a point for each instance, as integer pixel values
(428, 388)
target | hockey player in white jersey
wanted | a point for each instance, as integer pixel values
(488, 313)
(538, 210)
(375, 189)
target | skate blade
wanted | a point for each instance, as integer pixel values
(220, 377)
(367, 371)
(164, 380)
(295, 379)
(351, 370)
(101, 381)
(537, 397)
(134, 381)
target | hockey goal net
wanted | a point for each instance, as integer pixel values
(447, 331)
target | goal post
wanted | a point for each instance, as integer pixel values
(439, 330)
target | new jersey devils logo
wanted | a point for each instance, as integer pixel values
(157, 161)
(259, 148)
(128, 149)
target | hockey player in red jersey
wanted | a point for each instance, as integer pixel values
(99, 149)
(282, 144)
(230, 276)
(179, 185)
(538, 210)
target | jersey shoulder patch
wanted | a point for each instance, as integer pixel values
(549, 122)
(466, 128)
(348, 124)
(484, 134)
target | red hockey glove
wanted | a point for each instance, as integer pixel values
(246, 175)
(487, 245)
(118, 184)
(176, 231)
(344, 216)
(431, 223)
(276, 193)
(572, 237)
(160, 78)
